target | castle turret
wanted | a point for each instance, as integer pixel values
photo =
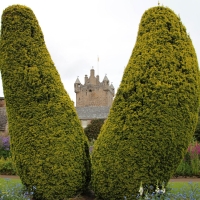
(105, 83)
(112, 89)
(93, 92)
(77, 85)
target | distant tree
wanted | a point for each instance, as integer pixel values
(154, 114)
(48, 144)
(197, 131)
(93, 129)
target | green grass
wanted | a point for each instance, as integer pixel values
(183, 187)
(179, 185)
(7, 182)
(8, 185)
(11, 189)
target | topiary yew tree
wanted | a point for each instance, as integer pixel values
(48, 144)
(154, 113)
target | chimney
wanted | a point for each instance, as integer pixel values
(86, 79)
(92, 73)
(97, 79)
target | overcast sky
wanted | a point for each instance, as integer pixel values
(76, 32)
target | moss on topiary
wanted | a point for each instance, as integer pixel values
(154, 113)
(48, 144)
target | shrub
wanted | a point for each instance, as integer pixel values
(7, 166)
(48, 144)
(183, 169)
(93, 129)
(190, 165)
(197, 131)
(194, 152)
(154, 114)
(4, 153)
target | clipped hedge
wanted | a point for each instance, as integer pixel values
(154, 114)
(48, 144)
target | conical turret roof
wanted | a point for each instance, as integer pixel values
(105, 78)
(111, 86)
(77, 80)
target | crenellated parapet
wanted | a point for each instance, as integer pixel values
(93, 92)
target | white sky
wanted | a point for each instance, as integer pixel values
(77, 31)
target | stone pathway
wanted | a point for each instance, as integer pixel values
(9, 176)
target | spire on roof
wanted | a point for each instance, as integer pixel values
(105, 78)
(111, 86)
(77, 80)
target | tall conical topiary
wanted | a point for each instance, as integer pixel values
(48, 143)
(154, 113)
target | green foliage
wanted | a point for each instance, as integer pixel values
(154, 114)
(7, 166)
(48, 144)
(197, 131)
(93, 129)
(190, 165)
(184, 169)
(4, 153)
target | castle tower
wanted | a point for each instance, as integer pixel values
(94, 92)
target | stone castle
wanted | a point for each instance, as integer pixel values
(93, 100)
(94, 92)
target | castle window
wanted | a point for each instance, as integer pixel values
(90, 90)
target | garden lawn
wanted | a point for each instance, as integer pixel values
(8, 185)
(184, 187)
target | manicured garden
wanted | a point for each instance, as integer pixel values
(189, 167)
(143, 143)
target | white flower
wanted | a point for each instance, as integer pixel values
(157, 190)
(163, 190)
(141, 189)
